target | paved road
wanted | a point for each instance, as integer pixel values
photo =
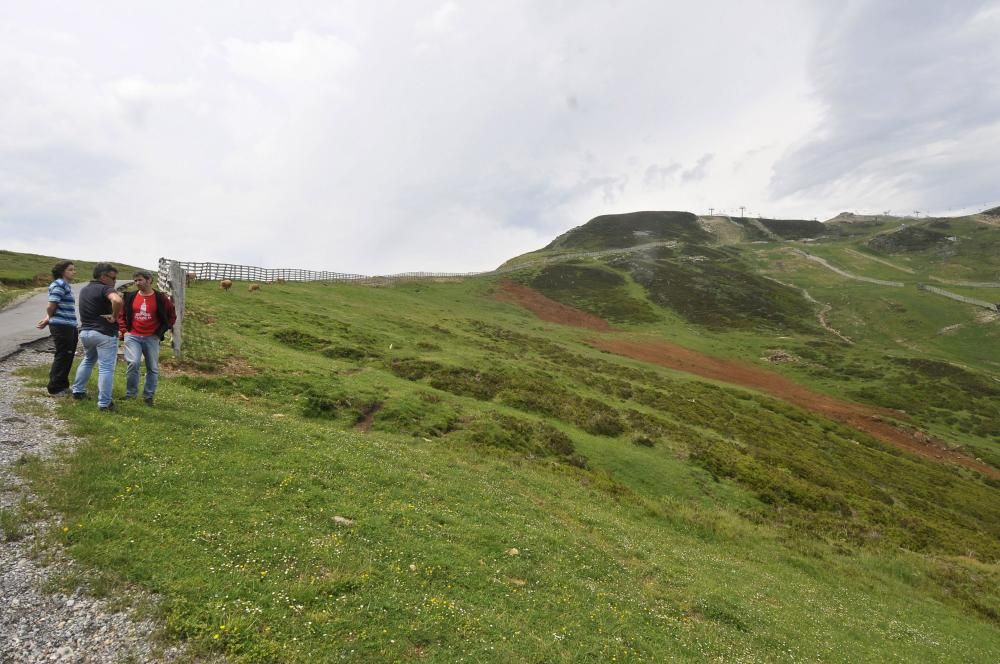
(17, 323)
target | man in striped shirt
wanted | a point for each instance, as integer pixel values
(60, 316)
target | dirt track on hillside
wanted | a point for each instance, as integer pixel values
(550, 310)
(663, 353)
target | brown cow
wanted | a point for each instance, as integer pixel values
(190, 278)
(253, 287)
(226, 284)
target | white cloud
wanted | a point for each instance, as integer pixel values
(699, 170)
(135, 96)
(435, 135)
(305, 58)
(896, 110)
(441, 20)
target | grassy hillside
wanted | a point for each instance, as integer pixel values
(20, 272)
(614, 231)
(429, 473)
(749, 298)
(432, 472)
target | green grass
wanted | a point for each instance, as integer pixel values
(235, 527)
(21, 273)
(594, 288)
(958, 248)
(12, 521)
(794, 229)
(737, 528)
(613, 231)
(424, 472)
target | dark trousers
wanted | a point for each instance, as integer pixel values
(64, 337)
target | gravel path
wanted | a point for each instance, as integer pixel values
(37, 625)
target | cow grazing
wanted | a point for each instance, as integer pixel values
(226, 284)
(253, 287)
(190, 278)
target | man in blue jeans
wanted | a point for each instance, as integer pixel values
(100, 305)
(146, 316)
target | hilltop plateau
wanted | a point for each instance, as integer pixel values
(662, 436)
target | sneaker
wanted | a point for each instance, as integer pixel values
(110, 408)
(80, 396)
(128, 397)
(148, 400)
(61, 393)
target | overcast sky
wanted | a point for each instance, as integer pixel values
(380, 137)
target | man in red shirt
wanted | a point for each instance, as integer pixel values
(145, 317)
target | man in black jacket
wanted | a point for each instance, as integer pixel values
(146, 316)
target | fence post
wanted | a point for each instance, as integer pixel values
(177, 287)
(163, 276)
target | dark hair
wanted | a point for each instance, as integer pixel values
(144, 274)
(59, 268)
(102, 269)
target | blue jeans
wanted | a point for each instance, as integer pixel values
(101, 349)
(136, 348)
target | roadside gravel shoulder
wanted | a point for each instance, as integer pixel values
(38, 624)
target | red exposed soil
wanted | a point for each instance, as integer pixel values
(549, 310)
(863, 418)
(856, 416)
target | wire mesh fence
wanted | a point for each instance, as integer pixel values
(174, 276)
(199, 271)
